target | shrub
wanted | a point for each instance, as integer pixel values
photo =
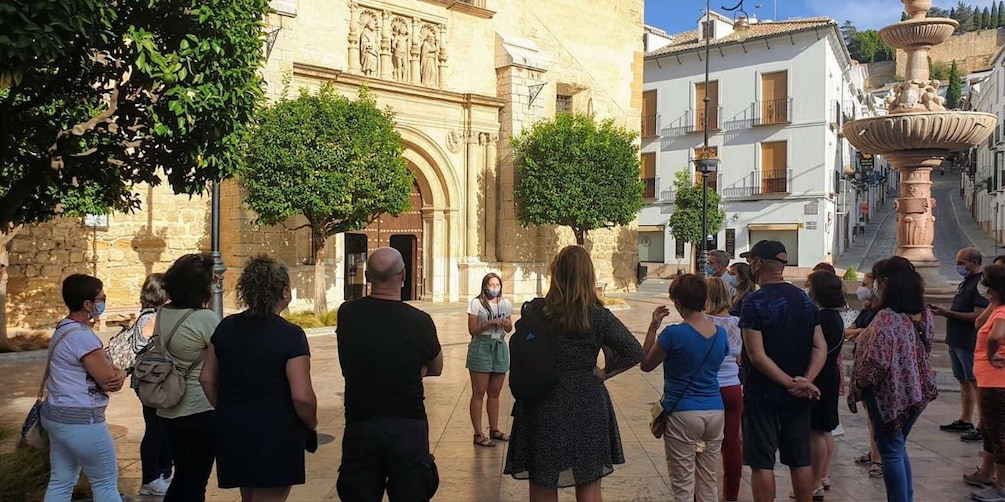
(24, 472)
(307, 320)
(851, 274)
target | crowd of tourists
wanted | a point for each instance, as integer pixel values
(752, 372)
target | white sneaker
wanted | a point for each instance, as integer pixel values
(157, 487)
(839, 431)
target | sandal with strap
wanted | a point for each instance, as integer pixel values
(500, 435)
(481, 440)
(876, 470)
(864, 459)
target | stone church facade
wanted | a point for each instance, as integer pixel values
(463, 77)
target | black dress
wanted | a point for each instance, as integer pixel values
(259, 438)
(570, 437)
(824, 417)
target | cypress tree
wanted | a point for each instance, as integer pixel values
(1001, 14)
(955, 90)
(978, 21)
(994, 16)
(986, 19)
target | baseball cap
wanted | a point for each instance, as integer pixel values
(768, 250)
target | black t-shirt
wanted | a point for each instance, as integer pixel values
(382, 347)
(963, 334)
(787, 319)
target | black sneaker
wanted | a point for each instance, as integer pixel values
(958, 426)
(974, 436)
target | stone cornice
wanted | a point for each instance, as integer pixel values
(390, 86)
(464, 7)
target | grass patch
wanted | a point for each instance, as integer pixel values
(24, 342)
(609, 302)
(307, 320)
(24, 472)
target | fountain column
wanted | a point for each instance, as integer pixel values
(915, 206)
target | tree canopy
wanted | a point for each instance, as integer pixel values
(336, 161)
(685, 222)
(96, 97)
(866, 46)
(576, 172)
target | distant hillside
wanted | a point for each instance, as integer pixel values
(972, 52)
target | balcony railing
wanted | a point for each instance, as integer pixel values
(772, 111)
(843, 112)
(713, 124)
(650, 126)
(776, 182)
(652, 187)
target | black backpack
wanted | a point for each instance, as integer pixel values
(533, 354)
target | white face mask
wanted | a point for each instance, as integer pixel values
(982, 289)
(863, 293)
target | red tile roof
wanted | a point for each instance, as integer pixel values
(688, 40)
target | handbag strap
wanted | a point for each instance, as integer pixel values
(696, 371)
(167, 339)
(52, 352)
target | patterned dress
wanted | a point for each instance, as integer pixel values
(570, 437)
(893, 357)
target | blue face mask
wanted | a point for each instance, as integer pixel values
(494, 292)
(709, 270)
(730, 280)
(99, 308)
(962, 270)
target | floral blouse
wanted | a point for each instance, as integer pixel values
(893, 357)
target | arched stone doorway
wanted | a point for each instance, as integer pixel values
(404, 233)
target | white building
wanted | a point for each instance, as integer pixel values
(983, 168)
(777, 103)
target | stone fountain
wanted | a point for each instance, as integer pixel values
(918, 134)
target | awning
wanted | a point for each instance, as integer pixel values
(767, 227)
(650, 228)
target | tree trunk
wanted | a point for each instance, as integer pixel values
(320, 283)
(580, 235)
(5, 240)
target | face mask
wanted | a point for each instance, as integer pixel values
(863, 293)
(494, 292)
(877, 292)
(709, 270)
(982, 290)
(731, 280)
(962, 270)
(99, 308)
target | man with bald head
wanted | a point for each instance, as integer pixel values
(961, 337)
(385, 348)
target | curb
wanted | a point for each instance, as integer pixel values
(23, 357)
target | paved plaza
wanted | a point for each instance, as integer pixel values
(471, 473)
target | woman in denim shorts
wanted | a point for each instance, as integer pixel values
(488, 356)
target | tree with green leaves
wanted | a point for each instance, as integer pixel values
(986, 19)
(576, 172)
(1001, 14)
(333, 160)
(685, 222)
(955, 90)
(994, 16)
(96, 97)
(978, 22)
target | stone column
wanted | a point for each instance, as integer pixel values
(354, 38)
(386, 67)
(490, 188)
(414, 60)
(915, 209)
(473, 170)
(442, 67)
(451, 265)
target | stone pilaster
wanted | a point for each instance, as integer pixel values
(353, 37)
(386, 68)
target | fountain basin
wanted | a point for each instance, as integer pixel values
(924, 32)
(951, 131)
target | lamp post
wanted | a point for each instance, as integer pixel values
(218, 267)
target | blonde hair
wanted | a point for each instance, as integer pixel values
(718, 296)
(573, 291)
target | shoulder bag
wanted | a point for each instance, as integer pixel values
(658, 425)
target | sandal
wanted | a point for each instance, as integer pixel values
(500, 435)
(481, 440)
(864, 459)
(826, 484)
(876, 470)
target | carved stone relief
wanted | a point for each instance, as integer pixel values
(389, 45)
(455, 141)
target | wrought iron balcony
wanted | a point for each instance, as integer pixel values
(773, 182)
(772, 112)
(700, 122)
(650, 126)
(652, 187)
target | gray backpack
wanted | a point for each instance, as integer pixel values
(156, 378)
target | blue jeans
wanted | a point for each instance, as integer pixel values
(87, 447)
(892, 445)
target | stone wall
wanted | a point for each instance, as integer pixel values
(121, 254)
(881, 73)
(972, 51)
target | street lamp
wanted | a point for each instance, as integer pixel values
(741, 21)
(705, 159)
(218, 267)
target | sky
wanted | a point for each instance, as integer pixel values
(676, 16)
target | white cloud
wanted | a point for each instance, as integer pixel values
(874, 14)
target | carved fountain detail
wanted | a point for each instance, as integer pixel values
(918, 133)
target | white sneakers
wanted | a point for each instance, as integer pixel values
(838, 432)
(157, 487)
